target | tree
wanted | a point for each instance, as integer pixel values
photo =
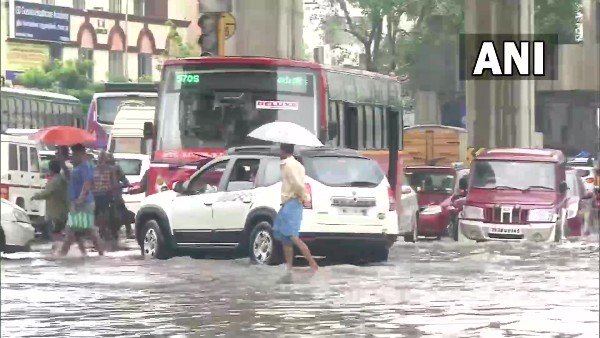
(558, 17)
(66, 77)
(387, 47)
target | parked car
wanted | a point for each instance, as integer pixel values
(579, 205)
(231, 203)
(437, 190)
(515, 194)
(16, 231)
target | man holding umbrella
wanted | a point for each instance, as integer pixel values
(293, 196)
(286, 227)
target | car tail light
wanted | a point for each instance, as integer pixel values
(392, 199)
(589, 180)
(308, 204)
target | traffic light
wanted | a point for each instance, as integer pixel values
(209, 39)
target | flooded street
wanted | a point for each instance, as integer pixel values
(431, 288)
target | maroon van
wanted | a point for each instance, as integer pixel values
(437, 194)
(515, 194)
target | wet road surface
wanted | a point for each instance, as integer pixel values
(441, 289)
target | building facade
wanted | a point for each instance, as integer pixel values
(125, 39)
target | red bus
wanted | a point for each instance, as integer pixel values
(209, 104)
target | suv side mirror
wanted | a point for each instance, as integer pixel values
(148, 130)
(563, 187)
(178, 187)
(463, 183)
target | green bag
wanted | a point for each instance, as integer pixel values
(80, 220)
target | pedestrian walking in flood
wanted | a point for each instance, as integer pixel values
(122, 214)
(104, 183)
(57, 201)
(81, 214)
(286, 227)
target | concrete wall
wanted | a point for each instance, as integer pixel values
(267, 28)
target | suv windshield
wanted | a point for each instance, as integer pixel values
(431, 182)
(513, 175)
(344, 171)
(203, 108)
(108, 107)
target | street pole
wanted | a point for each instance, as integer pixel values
(126, 39)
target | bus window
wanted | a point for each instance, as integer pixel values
(13, 157)
(361, 127)
(4, 113)
(27, 120)
(363, 89)
(335, 84)
(333, 124)
(384, 122)
(378, 128)
(34, 162)
(369, 124)
(349, 88)
(23, 158)
(351, 136)
(35, 117)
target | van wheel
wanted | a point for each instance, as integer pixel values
(263, 248)
(153, 242)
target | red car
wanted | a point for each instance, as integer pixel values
(439, 198)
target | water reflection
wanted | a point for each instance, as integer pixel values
(435, 288)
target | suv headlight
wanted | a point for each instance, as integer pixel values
(471, 212)
(542, 215)
(431, 210)
(21, 216)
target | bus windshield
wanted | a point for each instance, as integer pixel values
(202, 109)
(108, 106)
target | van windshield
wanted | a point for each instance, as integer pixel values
(513, 175)
(128, 145)
(431, 182)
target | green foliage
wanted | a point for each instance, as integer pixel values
(67, 77)
(145, 79)
(177, 47)
(557, 17)
(435, 23)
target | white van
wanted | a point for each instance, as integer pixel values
(21, 175)
(130, 149)
(127, 133)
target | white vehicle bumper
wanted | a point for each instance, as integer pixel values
(480, 231)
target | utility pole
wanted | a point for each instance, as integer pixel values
(127, 39)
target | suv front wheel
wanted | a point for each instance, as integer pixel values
(264, 249)
(153, 241)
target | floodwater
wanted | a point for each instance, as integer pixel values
(440, 289)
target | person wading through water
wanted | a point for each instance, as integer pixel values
(81, 214)
(286, 227)
(104, 185)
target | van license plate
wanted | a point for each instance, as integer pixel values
(354, 211)
(509, 231)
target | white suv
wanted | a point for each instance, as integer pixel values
(233, 200)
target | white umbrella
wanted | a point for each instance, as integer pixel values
(286, 132)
